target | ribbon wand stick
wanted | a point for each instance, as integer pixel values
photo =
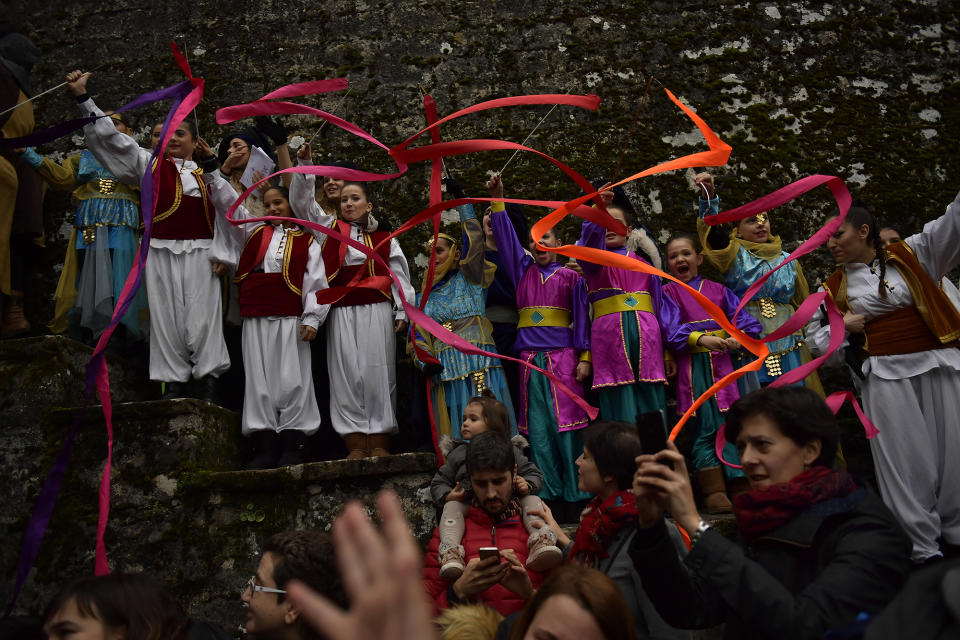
(524, 143)
(32, 98)
(336, 108)
(423, 94)
(186, 57)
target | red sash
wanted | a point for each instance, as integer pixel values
(338, 275)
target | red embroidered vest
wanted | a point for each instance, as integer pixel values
(272, 294)
(180, 217)
(375, 283)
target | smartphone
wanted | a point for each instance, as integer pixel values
(652, 432)
(489, 552)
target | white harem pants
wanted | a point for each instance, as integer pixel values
(917, 453)
(278, 391)
(186, 328)
(361, 361)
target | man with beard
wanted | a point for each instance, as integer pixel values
(495, 521)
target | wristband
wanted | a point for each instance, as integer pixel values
(701, 529)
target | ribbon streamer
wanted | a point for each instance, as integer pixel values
(185, 96)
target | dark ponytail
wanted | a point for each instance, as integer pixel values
(860, 215)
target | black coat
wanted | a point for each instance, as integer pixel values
(818, 571)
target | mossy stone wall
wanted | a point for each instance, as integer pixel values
(866, 91)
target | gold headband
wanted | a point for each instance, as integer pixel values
(446, 237)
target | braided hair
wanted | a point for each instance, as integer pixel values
(860, 215)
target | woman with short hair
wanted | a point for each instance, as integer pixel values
(820, 546)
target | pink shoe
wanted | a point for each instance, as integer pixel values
(544, 552)
(451, 561)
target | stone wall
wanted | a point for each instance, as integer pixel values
(178, 509)
(866, 91)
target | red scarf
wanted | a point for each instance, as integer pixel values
(762, 510)
(512, 510)
(599, 523)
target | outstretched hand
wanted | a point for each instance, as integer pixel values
(381, 574)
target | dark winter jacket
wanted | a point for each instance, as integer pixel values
(818, 571)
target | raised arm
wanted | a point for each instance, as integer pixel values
(303, 198)
(473, 265)
(938, 245)
(118, 153)
(513, 259)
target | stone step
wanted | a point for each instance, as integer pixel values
(199, 529)
(43, 372)
(155, 444)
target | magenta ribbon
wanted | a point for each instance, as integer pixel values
(185, 96)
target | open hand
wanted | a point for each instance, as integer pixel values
(381, 575)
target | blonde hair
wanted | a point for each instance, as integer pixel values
(468, 622)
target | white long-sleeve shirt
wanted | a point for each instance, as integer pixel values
(302, 200)
(124, 158)
(937, 248)
(222, 196)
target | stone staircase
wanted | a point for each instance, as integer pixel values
(179, 508)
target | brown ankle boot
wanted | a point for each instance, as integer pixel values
(378, 445)
(15, 322)
(714, 491)
(357, 445)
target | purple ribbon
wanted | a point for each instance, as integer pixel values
(47, 500)
(59, 130)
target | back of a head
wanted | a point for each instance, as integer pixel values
(799, 413)
(614, 446)
(136, 602)
(307, 556)
(490, 451)
(593, 590)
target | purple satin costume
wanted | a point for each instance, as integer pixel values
(657, 330)
(555, 287)
(695, 318)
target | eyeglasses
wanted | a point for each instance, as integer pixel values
(256, 587)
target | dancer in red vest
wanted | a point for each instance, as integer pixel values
(186, 330)
(361, 332)
(279, 272)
